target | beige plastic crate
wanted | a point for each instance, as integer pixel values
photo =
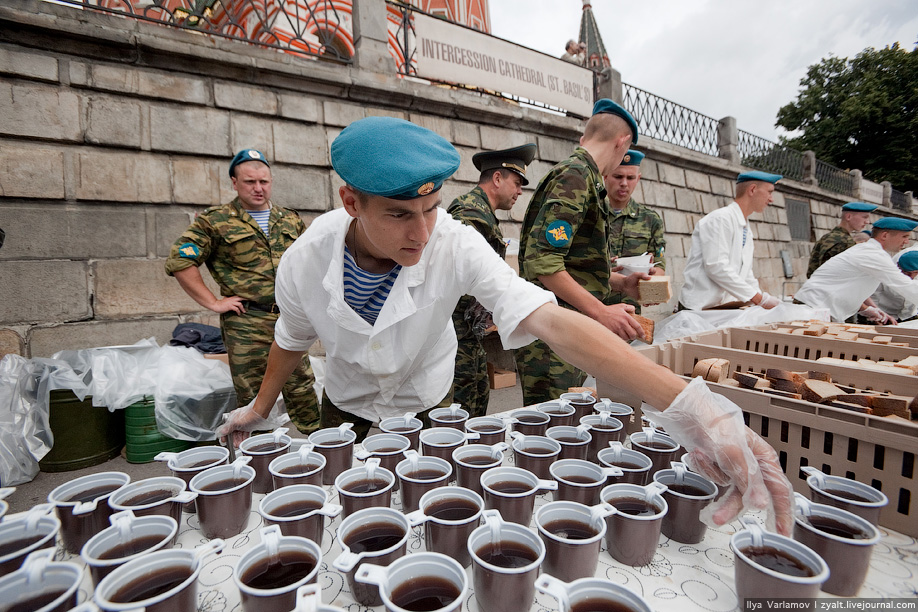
(875, 450)
(907, 336)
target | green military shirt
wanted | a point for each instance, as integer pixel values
(240, 257)
(634, 231)
(566, 226)
(827, 247)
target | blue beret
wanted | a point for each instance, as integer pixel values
(247, 155)
(392, 158)
(895, 223)
(756, 175)
(632, 158)
(908, 261)
(605, 105)
(859, 207)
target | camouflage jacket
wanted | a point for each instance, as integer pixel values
(827, 247)
(474, 209)
(566, 227)
(634, 231)
(242, 260)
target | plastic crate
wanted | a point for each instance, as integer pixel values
(908, 336)
(875, 450)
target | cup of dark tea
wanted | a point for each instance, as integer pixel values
(388, 448)
(586, 594)
(490, 430)
(162, 581)
(604, 428)
(767, 564)
(512, 491)
(451, 416)
(472, 460)
(441, 441)
(535, 453)
(417, 475)
(529, 422)
(41, 584)
(407, 425)
(82, 506)
(580, 481)
(560, 412)
(635, 465)
(634, 530)
(336, 444)
(572, 534)
(224, 499)
(128, 538)
(299, 510)
(268, 575)
(263, 449)
(23, 533)
(162, 495)
(367, 486)
(373, 535)
(575, 441)
(422, 581)
(661, 449)
(843, 539)
(302, 466)
(582, 402)
(4, 493)
(845, 493)
(188, 463)
(686, 494)
(449, 515)
(506, 558)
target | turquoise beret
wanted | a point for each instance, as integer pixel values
(909, 261)
(756, 175)
(247, 155)
(392, 158)
(632, 158)
(514, 159)
(859, 207)
(605, 105)
(895, 223)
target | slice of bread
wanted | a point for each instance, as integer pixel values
(647, 324)
(657, 290)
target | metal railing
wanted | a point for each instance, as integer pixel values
(665, 120)
(834, 179)
(761, 154)
(900, 201)
(313, 30)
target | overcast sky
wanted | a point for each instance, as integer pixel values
(741, 58)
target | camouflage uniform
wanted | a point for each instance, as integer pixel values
(566, 227)
(827, 247)
(470, 382)
(634, 231)
(243, 262)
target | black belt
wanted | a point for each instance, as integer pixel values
(272, 307)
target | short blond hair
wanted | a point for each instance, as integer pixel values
(606, 127)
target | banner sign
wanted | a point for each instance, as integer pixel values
(447, 52)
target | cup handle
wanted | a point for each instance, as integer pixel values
(35, 563)
(417, 517)
(454, 409)
(308, 598)
(582, 429)
(413, 458)
(548, 485)
(408, 416)
(495, 522)
(679, 468)
(345, 427)
(612, 471)
(330, 510)
(238, 463)
(361, 454)
(277, 433)
(820, 477)
(185, 496)
(122, 522)
(270, 537)
(304, 450)
(472, 435)
(165, 456)
(601, 511)
(88, 606)
(371, 466)
(803, 505)
(205, 550)
(518, 437)
(754, 529)
(617, 449)
(550, 585)
(36, 514)
(346, 561)
(85, 507)
(654, 488)
(6, 492)
(371, 574)
(604, 416)
(498, 449)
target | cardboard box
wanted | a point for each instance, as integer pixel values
(500, 379)
(220, 356)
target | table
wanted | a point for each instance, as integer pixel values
(681, 577)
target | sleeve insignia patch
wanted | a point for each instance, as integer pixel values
(559, 233)
(189, 250)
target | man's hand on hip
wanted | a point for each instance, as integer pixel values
(232, 303)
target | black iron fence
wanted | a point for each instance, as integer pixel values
(761, 154)
(834, 179)
(670, 122)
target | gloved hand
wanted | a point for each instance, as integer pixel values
(872, 313)
(768, 301)
(723, 449)
(240, 422)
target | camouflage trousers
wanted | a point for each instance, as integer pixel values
(248, 339)
(471, 387)
(543, 375)
(332, 416)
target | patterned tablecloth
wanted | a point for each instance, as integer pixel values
(680, 577)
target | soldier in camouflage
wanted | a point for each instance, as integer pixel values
(241, 243)
(855, 216)
(564, 247)
(634, 229)
(503, 175)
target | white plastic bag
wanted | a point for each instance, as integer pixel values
(122, 376)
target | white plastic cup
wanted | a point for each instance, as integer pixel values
(40, 576)
(585, 589)
(401, 574)
(125, 528)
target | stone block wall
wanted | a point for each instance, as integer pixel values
(114, 133)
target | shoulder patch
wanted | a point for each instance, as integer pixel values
(189, 250)
(559, 233)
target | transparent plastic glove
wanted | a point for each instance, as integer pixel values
(769, 301)
(722, 448)
(872, 313)
(240, 422)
